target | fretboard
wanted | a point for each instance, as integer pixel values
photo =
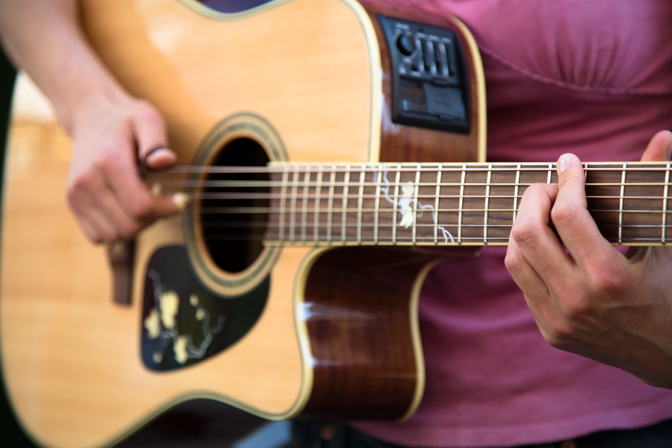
(453, 204)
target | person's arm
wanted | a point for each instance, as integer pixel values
(110, 129)
(591, 299)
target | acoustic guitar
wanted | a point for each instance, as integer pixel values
(332, 152)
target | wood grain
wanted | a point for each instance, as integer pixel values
(311, 70)
(70, 356)
(360, 297)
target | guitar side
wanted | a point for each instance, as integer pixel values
(71, 356)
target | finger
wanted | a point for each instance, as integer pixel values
(534, 236)
(96, 227)
(536, 292)
(149, 130)
(574, 224)
(106, 206)
(522, 272)
(137, 200)
(123, 177)
(659, 148)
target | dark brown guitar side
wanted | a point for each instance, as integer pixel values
(364, 296)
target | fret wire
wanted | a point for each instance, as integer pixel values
(377, 206)
(283, 202)
(292, 216)
(318, 200)
(665, 199)
(348, 198)
(360, 203)
(396, 201)
(459, 220)
(550, 173)
(346, 189)
(414, 206)
(439, 172)
(304, 213)
(241, 196)
(332, 181)
(487, 203)
(515, 194)
(620, 206)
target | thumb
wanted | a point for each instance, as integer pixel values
(659, 148)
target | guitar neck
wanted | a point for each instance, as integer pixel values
(453, 204)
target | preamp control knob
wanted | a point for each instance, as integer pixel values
(405, 44)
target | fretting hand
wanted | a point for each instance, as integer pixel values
(590, 299)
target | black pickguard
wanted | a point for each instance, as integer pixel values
(203, 324)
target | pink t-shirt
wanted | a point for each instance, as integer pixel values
(589, 77)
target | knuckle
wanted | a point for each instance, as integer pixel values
(558, 334)
(106, 159)
(604, 280)
(146, 112)
(563, 213)
(82, 182)
(526, 232)
(514, 261)
(551, 338)
(535, 191)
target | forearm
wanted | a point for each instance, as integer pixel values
(43, 37)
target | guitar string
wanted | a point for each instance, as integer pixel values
(314, 197)
(250, 210)
(306, 195)
(278, 183)
(445, 167)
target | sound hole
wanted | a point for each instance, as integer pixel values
(234, 217)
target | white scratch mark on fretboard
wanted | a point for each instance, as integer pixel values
(405, 204)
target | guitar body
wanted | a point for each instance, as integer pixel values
(335, 333)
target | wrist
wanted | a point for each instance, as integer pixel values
(84, 92)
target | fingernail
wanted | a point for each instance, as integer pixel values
(157, 158)
(564, 162)
(180, 200)
(152, 150)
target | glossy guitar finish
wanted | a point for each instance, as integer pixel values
(308, 81)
